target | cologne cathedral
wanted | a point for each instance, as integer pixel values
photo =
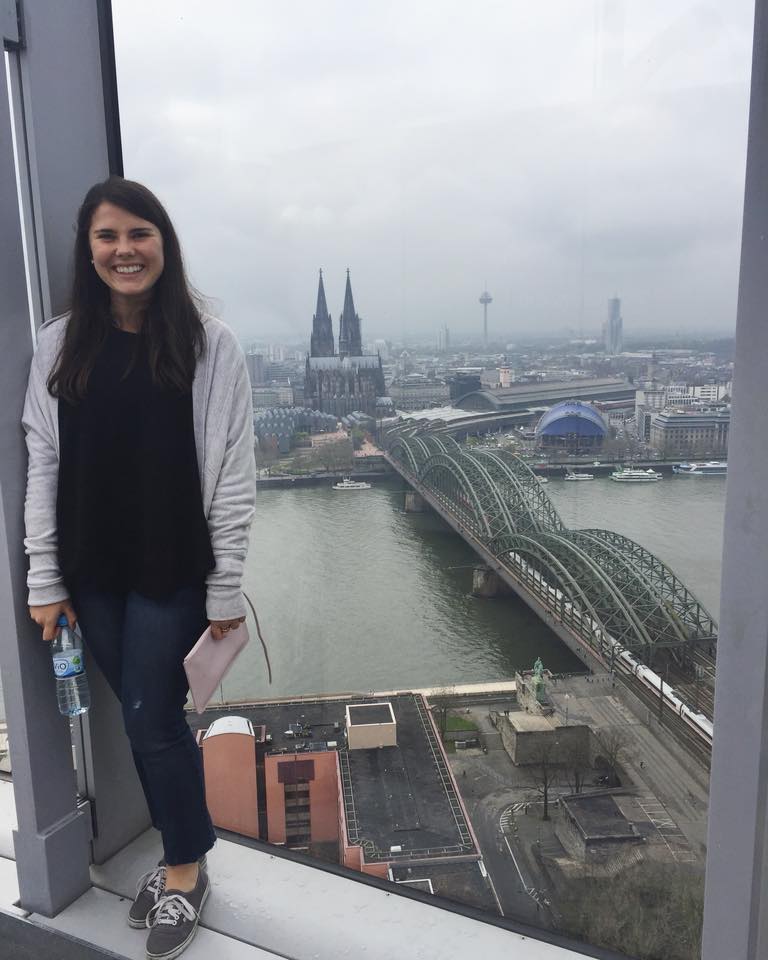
(344, 382)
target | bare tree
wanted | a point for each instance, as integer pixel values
(578, 763)
(266, 453)
(546, 772)
(612, 744)
(336, 455)
(441, 704)
(649, 911)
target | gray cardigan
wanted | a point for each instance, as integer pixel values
(223, 424)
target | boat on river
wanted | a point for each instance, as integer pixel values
(349, 484)
(712, 468)
(633, 475)
(572, 475)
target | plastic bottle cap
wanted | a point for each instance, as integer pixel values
(62, 621)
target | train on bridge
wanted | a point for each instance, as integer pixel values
(608, 592)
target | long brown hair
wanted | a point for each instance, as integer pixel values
(172, 328)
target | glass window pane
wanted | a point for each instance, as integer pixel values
(494, 648)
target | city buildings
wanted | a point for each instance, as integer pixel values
(275, 395)
(690, 432)
(656, 396)
(363, 782)
(417, 392)
(256, 368)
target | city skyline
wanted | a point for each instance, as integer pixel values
(568, 158)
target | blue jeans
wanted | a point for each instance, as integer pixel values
(140, 644)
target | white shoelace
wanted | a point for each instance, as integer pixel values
(170, 909)
(153, 882)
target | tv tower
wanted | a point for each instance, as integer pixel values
(485, 299)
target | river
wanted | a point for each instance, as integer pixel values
(353, 594)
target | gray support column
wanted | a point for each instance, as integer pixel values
(736, 899)
(52, 837)
(60, 146)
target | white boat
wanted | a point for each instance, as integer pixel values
(348, 484)
(542, 479)
(630, 475)
(712, 468)
(572, 475)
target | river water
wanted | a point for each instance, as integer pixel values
(353, 594)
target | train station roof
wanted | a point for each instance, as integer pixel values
(550, 391)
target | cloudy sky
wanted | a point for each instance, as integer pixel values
(560, 151)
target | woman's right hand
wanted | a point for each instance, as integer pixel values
(47, 616)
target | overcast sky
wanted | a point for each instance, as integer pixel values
(559, 150)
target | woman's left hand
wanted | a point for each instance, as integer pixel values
(220, 628)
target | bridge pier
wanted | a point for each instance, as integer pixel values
(487, 583)
(414, 502)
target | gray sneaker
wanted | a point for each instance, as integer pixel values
(173, 920)
(149, 889)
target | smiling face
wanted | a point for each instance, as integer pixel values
(127, 252)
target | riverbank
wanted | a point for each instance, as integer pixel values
(318, 479)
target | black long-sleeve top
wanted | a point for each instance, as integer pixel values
(129, 507)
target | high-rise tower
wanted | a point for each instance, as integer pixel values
(321, 342)
(613, 333)
(485, 299)
(350, 337)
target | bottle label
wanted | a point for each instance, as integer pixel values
(68, 663)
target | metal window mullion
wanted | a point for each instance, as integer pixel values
(36, 295)
(736, 893)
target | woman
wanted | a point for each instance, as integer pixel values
(140, 493)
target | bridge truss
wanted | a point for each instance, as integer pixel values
(607, 588)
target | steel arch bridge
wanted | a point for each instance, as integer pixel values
(603, 585)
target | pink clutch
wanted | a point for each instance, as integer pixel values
(208, 661)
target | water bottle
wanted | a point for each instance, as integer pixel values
(69, 669)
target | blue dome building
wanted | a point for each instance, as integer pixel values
(573, 426)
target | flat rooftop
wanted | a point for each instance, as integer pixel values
(365, 713)
(599, 818)
(400, 796)
(529, 722)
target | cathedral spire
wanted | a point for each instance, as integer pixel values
(321, 344)
(350, 337)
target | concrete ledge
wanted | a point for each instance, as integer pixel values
(100, 917)
(287, 908)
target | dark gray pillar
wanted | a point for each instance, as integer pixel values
(52, 837)
(53, 145)
(736, 899)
